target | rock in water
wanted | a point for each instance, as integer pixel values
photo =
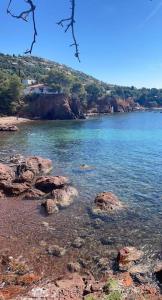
(56, 250)
(106, 202)
(78, 243)
(64, 197)
(39, 165)
(50, 206)
(48, 183)
(127, 256)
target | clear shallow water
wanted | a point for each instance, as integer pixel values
(126, 153)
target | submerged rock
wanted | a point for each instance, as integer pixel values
(64, 197)
(127, 256)
(50, 206)
(56, 250)
(78, 242)
(49, 183)
(106, 202)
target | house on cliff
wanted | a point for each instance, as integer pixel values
(39, 89)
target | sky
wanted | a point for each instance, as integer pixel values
(120, 41)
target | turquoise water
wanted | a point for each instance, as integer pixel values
(125, 151)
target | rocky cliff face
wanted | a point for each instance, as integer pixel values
(111, 104)
(62, 107)
(53, 107)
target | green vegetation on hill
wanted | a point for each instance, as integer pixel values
(13, 69)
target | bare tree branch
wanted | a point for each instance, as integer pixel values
(24, 16)
(70, 24)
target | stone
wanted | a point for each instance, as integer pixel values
(39, 165)
(73, 267)
(8, 128)
(6, 173)
(49, 183)
(64, 197)
(33, 194)
(127, 256)
(78, 242)
(14, 189)
(56, 250)
(50, 206)
(27, 176)
(107, 202)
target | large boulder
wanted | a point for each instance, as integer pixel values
(6, 173)
(127, 256)
(14, 189)
(35, 164)
(49, 183)
(106, 202)
(64, 197)
(26, 176)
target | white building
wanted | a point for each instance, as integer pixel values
(39, 89)
(27, 82)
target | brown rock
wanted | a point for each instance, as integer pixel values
(33, 194)
(64, 197)
(14, 189)
(39, 165)
(127, 256)
(27, 176)
(6, 173)
(107, 201)
(78, 243)
(49, 183)
(56, 250)
(50, 206)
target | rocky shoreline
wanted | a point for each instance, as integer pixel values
(126, 277)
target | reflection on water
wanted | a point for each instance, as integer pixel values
(125, 152)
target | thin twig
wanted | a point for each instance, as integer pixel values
(70, 24)
(24, 16)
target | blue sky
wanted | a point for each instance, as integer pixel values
(120, 40)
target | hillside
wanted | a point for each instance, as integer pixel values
(36, 68)
(94, 96)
